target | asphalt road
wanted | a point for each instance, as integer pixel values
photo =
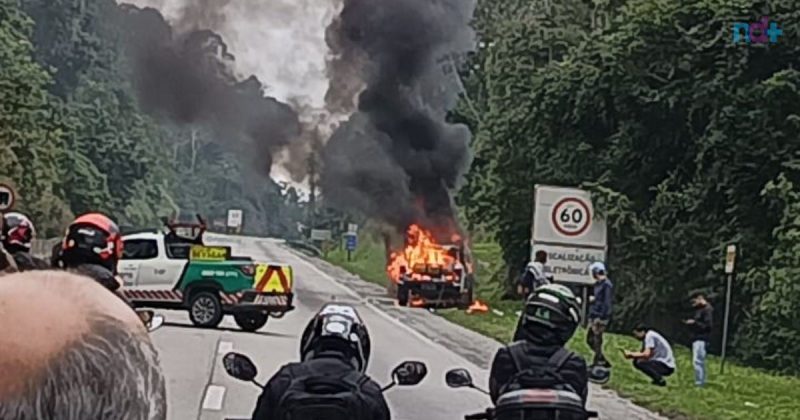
(199, 388)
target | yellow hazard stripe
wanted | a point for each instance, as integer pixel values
(273, 278)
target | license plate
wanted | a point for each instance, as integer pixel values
(271, 300)
(428, 286)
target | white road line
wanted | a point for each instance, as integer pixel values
(224, 347)
(215, 394)
(381, 313)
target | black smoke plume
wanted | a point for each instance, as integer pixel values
(397, 158)
(188, 78)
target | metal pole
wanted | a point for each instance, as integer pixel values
(725, 324)
(348, 255)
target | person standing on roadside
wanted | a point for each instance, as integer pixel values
(700, 325)
(599, 312)
(533, 277)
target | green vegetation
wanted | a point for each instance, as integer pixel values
(741, 393)
(687, 141)
(368, 261)
(75, 140)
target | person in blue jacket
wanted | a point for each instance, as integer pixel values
(599, 312)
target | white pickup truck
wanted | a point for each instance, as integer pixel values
(163, 270)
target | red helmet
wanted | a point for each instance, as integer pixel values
(18, 232)
(92, 239)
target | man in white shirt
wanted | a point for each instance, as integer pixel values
(656, 359)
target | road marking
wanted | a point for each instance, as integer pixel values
(225, 347)
(380, 312)
(215, 394)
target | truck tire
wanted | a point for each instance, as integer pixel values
(205, 309)
(250, 321)
(402, 295)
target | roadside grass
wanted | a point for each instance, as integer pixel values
(367, 261)
(741, 393)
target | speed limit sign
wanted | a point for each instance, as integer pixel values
(571, 216)
(7, 197)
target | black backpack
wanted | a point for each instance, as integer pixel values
(546, 376)
(312, 396)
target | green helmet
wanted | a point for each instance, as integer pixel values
(551, 311)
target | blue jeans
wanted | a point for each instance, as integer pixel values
(699, 362)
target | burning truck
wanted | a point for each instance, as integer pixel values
(427, 273)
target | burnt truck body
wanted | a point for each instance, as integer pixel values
(438, 285)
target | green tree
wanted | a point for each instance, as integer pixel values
(31, 142)
(675, 129)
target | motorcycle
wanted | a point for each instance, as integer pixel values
(524, 404)
(151, 320)
(242, 368)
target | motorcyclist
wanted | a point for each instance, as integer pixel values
(329, 383)
(92, 246)
(537, 358)
(17, 235)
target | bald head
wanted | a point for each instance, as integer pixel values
(65, 337)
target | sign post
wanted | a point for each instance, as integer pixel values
(730, 265)
(567, 229)
(235, 220)
(7, 197)
(320, 235)
(351, 241)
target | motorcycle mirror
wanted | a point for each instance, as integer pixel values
(409, 373)
(458, 378)
(156, 323)
(240, 367)
(150, 319)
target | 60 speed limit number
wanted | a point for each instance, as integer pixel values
(571, 216)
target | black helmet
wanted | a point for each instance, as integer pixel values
(337, 328)
(18, 232)
(92, 239)
(552, 314)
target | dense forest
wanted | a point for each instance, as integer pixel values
(74, 138)
(687, 141)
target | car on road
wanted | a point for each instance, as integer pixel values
(437, 285)
(167, 271)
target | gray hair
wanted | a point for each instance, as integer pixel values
(110, 373)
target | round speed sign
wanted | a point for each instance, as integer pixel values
(571, 216)
(7, 197)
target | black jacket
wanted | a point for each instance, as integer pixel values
(603, 300)
(328, 364)
(703, 321)
(574, 370)
(99, 273)
(27, 262)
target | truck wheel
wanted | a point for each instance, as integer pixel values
(250, 321)
(205, 310)
(402, 295)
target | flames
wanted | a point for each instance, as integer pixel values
(422, 258)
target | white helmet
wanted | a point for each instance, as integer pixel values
(597, 267)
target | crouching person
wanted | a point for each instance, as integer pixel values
(656, 359)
